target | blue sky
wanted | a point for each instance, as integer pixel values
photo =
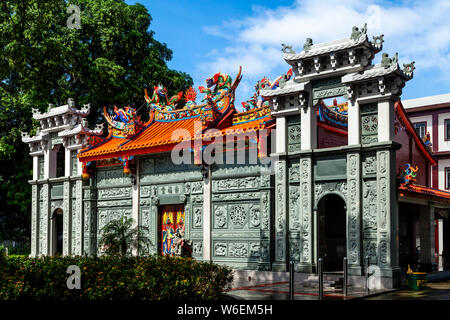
(211, 36)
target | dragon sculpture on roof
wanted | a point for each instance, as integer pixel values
(124, 122)
(256, 101)
(160, 100)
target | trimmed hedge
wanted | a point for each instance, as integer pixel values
(113, 278)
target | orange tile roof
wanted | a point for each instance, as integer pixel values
(157, 137)
(426, 193)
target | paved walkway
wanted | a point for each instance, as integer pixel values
(273, 290)
(434, 291)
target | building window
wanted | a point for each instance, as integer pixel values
(447, 129)
(447, 178)
(421, 128)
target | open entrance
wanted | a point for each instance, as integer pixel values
(332, 232)
(171, 221)
(57, 226)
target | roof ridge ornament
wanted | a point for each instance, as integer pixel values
(356, 33)
(378, 40)
(408, 68)
(308, 44)
(387, 62)
(287, 49)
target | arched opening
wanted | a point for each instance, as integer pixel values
(57, 224)
(331, 232)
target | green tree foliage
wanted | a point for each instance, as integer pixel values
(107, 62)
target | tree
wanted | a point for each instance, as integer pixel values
(109, 61)
(118, 237)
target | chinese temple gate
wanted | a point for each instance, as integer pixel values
(338, 166)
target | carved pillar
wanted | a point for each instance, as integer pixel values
(207, 202)
(78, 219)
(265, 207)
(89, 221)
(45, 220)
(67, 218)
(307, 261)
(280, 263)
(387, 246)
(34, 220)
(354, 213)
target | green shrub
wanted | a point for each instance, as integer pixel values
(2, 254)
(113, 278)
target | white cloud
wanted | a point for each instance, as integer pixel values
(419, 31)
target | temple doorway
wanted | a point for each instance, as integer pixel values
(332, 232)
(57, 226)
(171, 221)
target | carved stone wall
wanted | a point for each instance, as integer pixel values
(111, 200)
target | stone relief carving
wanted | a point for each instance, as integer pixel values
(197, 217)
(255, 216)
(294, 172)
(197, 248)
(220, 217)
(235, 196)
(241, 183)
(197, 187)
(114, 193)
(265, 210)
(370, 165)
(238, 250)
(220, 249)
(264, 250)
(255, 250)
(294, 207)
(238, 216)
(294, 249)
(370, 249)
(306, 221)
(370, 205)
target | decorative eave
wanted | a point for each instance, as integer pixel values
(377, 71)
(81, 129)
(334, 46)
(289, 88)
(61, 110)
